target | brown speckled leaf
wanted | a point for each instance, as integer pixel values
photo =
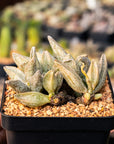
(73, 80)
(36, 82)
(47, 61)
(102, 73)
(50, 82)
(58, 51)
(32, 99)
(93, 74)
(14, 73)
(18, 85)
(20, 59)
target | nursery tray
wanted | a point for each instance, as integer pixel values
(54, 130)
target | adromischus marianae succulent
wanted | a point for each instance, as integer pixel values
(82, 70)
(32, 75)
(42, 71)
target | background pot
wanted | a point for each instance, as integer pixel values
(99, 37)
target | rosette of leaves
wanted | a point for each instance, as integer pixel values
(32, 76)
(82, 75)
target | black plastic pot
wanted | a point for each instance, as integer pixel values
(2, 72)
(111, 38)
(81, 35)
(99, 37)
(111, 140)
(54, 130)
(55, 32)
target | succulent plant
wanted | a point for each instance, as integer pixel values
(38, 80)
(82, 70)
(32, 75)
(8, 16)
(5, 41)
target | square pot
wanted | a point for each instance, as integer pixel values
(54, 130)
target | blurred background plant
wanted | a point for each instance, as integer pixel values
(33, 34)
(85, 29)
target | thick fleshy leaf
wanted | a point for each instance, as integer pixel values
(70, 63)
(82, 59)
(32, 99)
(86, 98)
(36, 82)
(14, 73)
(98, 96)
(19, 59)
(88, 82)
(18, 85)
(73, 80)
(59, 77)
(32, 66)
(30, 69)
(50, 82)
(61, 55)
(47, 61)
(93, 74)
(39, 57)
(34, 57)
(102, 73)
(58, 51)
(33, 52)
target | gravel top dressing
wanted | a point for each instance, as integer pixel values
(101, 108)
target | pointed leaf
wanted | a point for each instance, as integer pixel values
(50, 82)
(73, 80)
(18, 85)
(32, 99)
(34, 57)
(32, 66)
(14, 73)
(57, 49)
(69, 62)
(19, 59)
(102, 73)
(36, 82)
(47, 61)
(61, 55)
(30, 69)
(93, 74)
(39, 57)
(59, 78)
